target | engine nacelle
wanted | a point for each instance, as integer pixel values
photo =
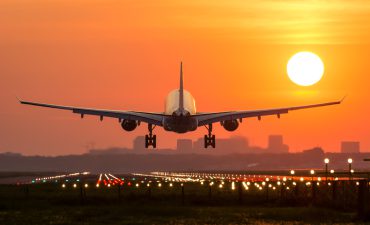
(129, 125)
(230, 125)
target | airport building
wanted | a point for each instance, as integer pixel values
(276, 144)
(184, 145)
(350, 147)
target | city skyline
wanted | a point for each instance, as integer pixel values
(233, 144)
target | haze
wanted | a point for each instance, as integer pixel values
(126, 54)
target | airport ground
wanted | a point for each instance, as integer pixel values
(179, 199)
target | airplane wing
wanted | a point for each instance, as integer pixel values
(208, 118)
(152, 118)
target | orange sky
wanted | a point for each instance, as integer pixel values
(125, 55)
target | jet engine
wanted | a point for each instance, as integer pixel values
(230, 125)
(129, 125)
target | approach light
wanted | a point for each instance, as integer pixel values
(233, 185)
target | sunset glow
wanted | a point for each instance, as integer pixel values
(125, 55)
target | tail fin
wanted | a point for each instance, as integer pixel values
(181, 90)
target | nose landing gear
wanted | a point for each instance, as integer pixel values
(150, 139)
(209, 140)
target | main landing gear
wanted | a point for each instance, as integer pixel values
(209, 140)
(150, 140)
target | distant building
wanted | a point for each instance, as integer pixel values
(139, 143)
(350, 147)
(234, 144)
(276, 144)
(316, 152)
(184, 145)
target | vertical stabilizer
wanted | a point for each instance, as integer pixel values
(181, 91)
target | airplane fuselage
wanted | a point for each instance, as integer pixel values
(181, 120)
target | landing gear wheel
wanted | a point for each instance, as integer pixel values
(205, 141)
(154, 143)
(146, 141)
(150, 139)
(209, 140)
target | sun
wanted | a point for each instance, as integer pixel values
(305, 68)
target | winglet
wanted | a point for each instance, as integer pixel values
(19, 100)
(342, 99)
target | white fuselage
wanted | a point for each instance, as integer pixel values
(172, 103)
(181, 120)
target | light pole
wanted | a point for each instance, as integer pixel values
(326, 161)
(332, 172)
(349, 160)
(312, 172)
(292, 172)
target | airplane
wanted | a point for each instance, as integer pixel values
(179, 116)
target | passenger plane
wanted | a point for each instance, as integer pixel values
(180, 115)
